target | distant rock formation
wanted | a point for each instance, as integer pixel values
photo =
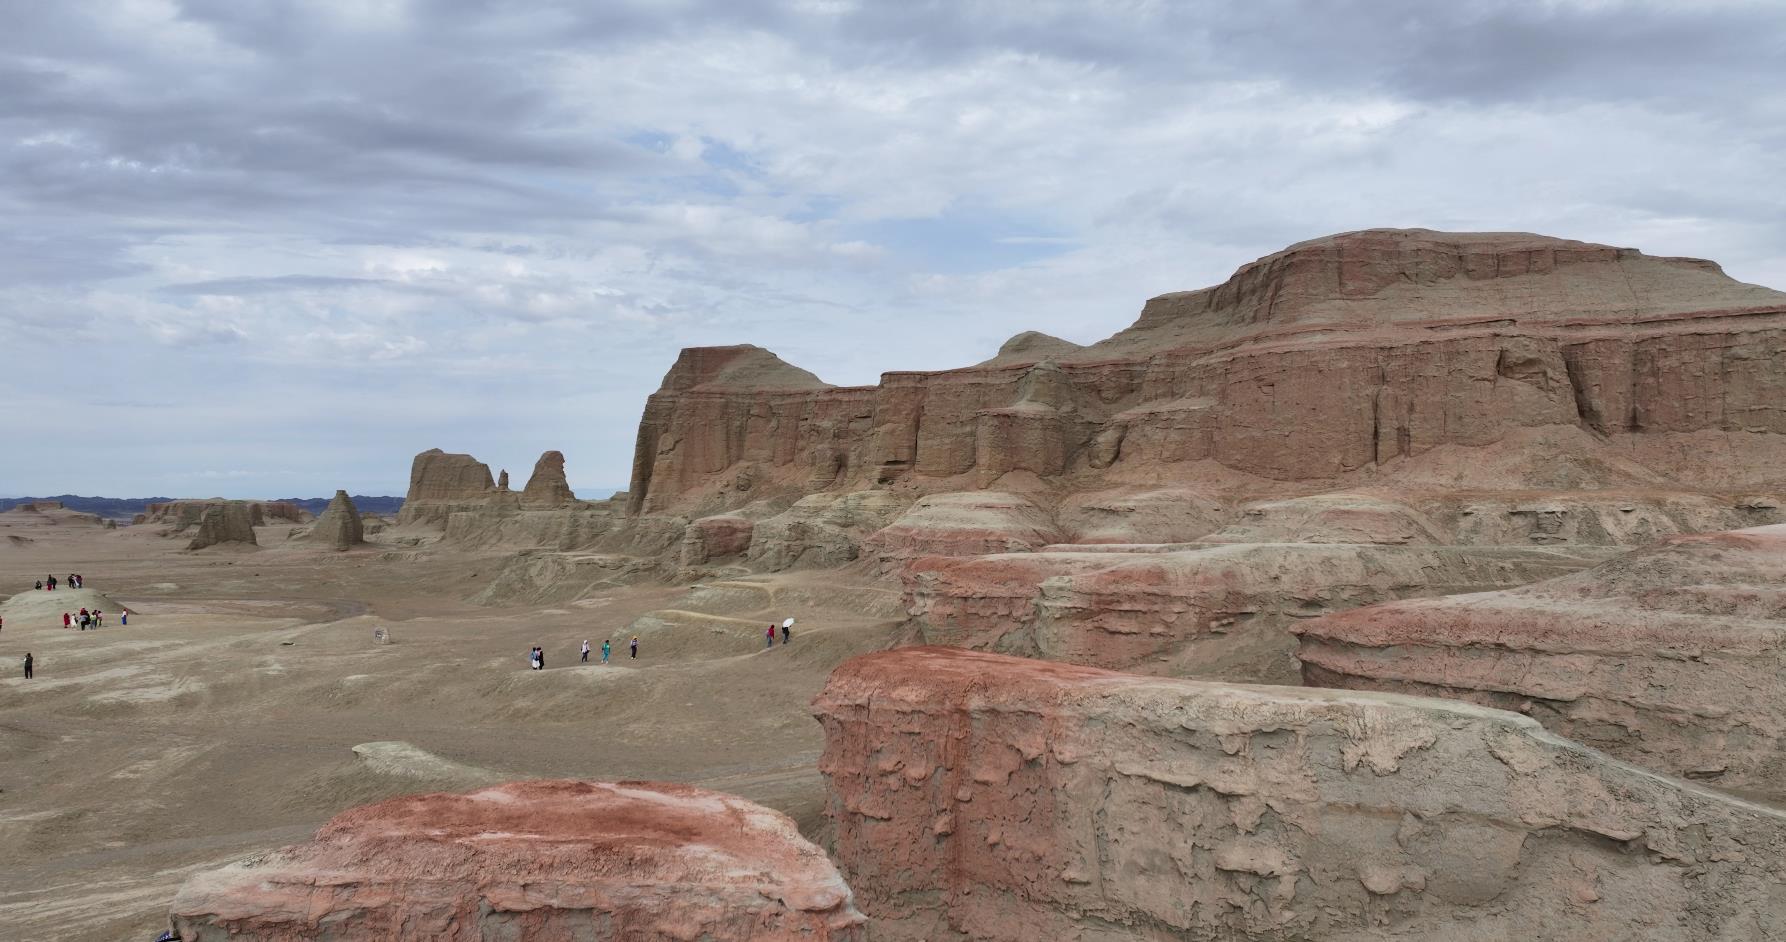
(340, 525)
(1003, 800)
(210, 522)
(1670, 657)
(222, 522)
(535, 860)
(440, 482)
(180, 514)
(1382, 353)
(547, 486)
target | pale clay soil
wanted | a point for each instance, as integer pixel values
(222, 720)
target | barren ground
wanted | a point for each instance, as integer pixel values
(223, 719)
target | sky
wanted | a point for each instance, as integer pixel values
(275, 248)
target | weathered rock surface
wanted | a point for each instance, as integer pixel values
(1366, 356)
(1206, 611)
(547, 487)
(339, 526)
(1150, 515)
(991, 798)
(1330, 518)
(1672, 657)
(229, 522)
(713, 538)
(440, 482)
(970, 523)
(534, 860)
(822, 530)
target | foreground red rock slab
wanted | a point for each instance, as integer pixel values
(985, 797)
(542, 861)
(1673, 657)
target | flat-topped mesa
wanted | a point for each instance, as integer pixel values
(1670, 657)
(547, 487)
(1384, 277)
(1006, 800)
(1361, 358)
(440, 482)
(535, 860)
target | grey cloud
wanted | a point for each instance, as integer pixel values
(237, 287)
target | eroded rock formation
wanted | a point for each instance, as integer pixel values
(440, 482)
(1207, 611)
(534, 860)
(547, 487)
(992, 798)
(339, 526)
(1672, 657)
(210, 522)
(1399, 353)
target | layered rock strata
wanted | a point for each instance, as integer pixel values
(991, 798)
(1672, 657)
(535, 860)
(1207, 611)
(1377, 353)
(177, 515)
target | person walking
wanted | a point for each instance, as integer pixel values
(65, 619)
(635, 653)
(606, 647)
(585, 650)
(769, 636)
(124, 617)
(787, 628)
(28, 662)
(539, 655)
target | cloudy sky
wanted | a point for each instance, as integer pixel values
(275, 247)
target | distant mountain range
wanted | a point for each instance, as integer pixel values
(124, 508)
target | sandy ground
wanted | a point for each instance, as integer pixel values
(224, 718)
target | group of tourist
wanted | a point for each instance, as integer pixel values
(536, 657)
(85, 619)
(49, 583)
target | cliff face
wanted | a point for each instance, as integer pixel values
(1672, 657)
(535, 860)
(992, 798)
(1336, 357)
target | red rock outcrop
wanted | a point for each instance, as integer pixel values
(541, 861)
(1672, 657)
(1211, 611)
(992, 798)
(1365, 355)
(712, 538)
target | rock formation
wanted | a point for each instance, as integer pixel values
(440, 482)
(339, 526)
(1382, 353)
(180, 514)
(535, 860)
(1672, 657)
(1205, 611)
(992, 798)
(209, 522)
(965, 524)
(547, 487)
(227, 522)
